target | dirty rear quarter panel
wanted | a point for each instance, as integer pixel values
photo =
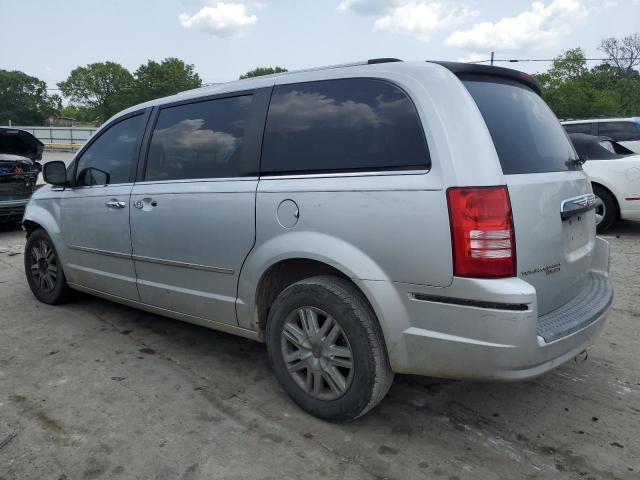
(373, 227)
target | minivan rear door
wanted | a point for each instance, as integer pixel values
(553, 249)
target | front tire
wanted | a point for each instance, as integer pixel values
(43, 269)
(606, 208)
(327, 350)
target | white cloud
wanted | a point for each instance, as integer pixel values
(366, 7)
(474, 57)
(417, 17)
(541, 25)
(422, 17)
(221, 20)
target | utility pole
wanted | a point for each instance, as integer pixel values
(492, 58)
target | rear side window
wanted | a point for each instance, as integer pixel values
(578, 128)
(525, 132)
(342, 125)
(620, 131)
(110, 157)
(200, 140)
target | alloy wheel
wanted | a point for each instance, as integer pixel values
(601, 210)
(44, 267)
(317, 353)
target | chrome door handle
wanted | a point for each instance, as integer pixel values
(115, 203)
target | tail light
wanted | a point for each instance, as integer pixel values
(482, 235)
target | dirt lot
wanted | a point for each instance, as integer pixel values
(96, 390)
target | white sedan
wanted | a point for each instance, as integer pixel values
(615, 176)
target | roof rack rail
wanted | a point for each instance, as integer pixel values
(373, 61)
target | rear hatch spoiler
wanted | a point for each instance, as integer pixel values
(21, 143)
(473, 69)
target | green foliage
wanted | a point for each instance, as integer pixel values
(258, 72)
(24, 99)
(100, 90)
(573, 90)
(105, 87)
(170, 76)
(81, 115)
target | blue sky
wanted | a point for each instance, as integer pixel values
(223, 39)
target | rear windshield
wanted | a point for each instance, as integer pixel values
(525, 132)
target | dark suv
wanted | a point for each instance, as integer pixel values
(19, 169)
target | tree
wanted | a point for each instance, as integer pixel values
(623, 56)
(569, 65)
(106, 87)
(564, 84)
(170, 76)
(574, 91)
(623, 53)
(24, 99)
(258, 72)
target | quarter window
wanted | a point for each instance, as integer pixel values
(342, 125)
(200, 140)
(524, 130)
(110, 157)
(619, 131)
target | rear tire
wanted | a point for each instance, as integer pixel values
(606, 208)
(43, 269)
(327, 349)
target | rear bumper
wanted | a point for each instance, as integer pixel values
(12, 210)
(491, 337)
(434, 354)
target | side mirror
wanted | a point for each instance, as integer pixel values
(55, 173)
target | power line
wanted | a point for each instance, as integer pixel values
(514, 60)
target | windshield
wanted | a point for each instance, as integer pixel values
(527, 135)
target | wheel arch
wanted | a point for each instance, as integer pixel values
(275, 265)
(598, 183)
(29, 226)
(38, 217)
(283, 274)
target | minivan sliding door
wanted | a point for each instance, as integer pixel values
(193, 212)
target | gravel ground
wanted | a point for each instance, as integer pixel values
(93, 390)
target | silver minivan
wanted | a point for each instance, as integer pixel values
(362, 220)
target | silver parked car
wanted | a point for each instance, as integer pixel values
(424, 218)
